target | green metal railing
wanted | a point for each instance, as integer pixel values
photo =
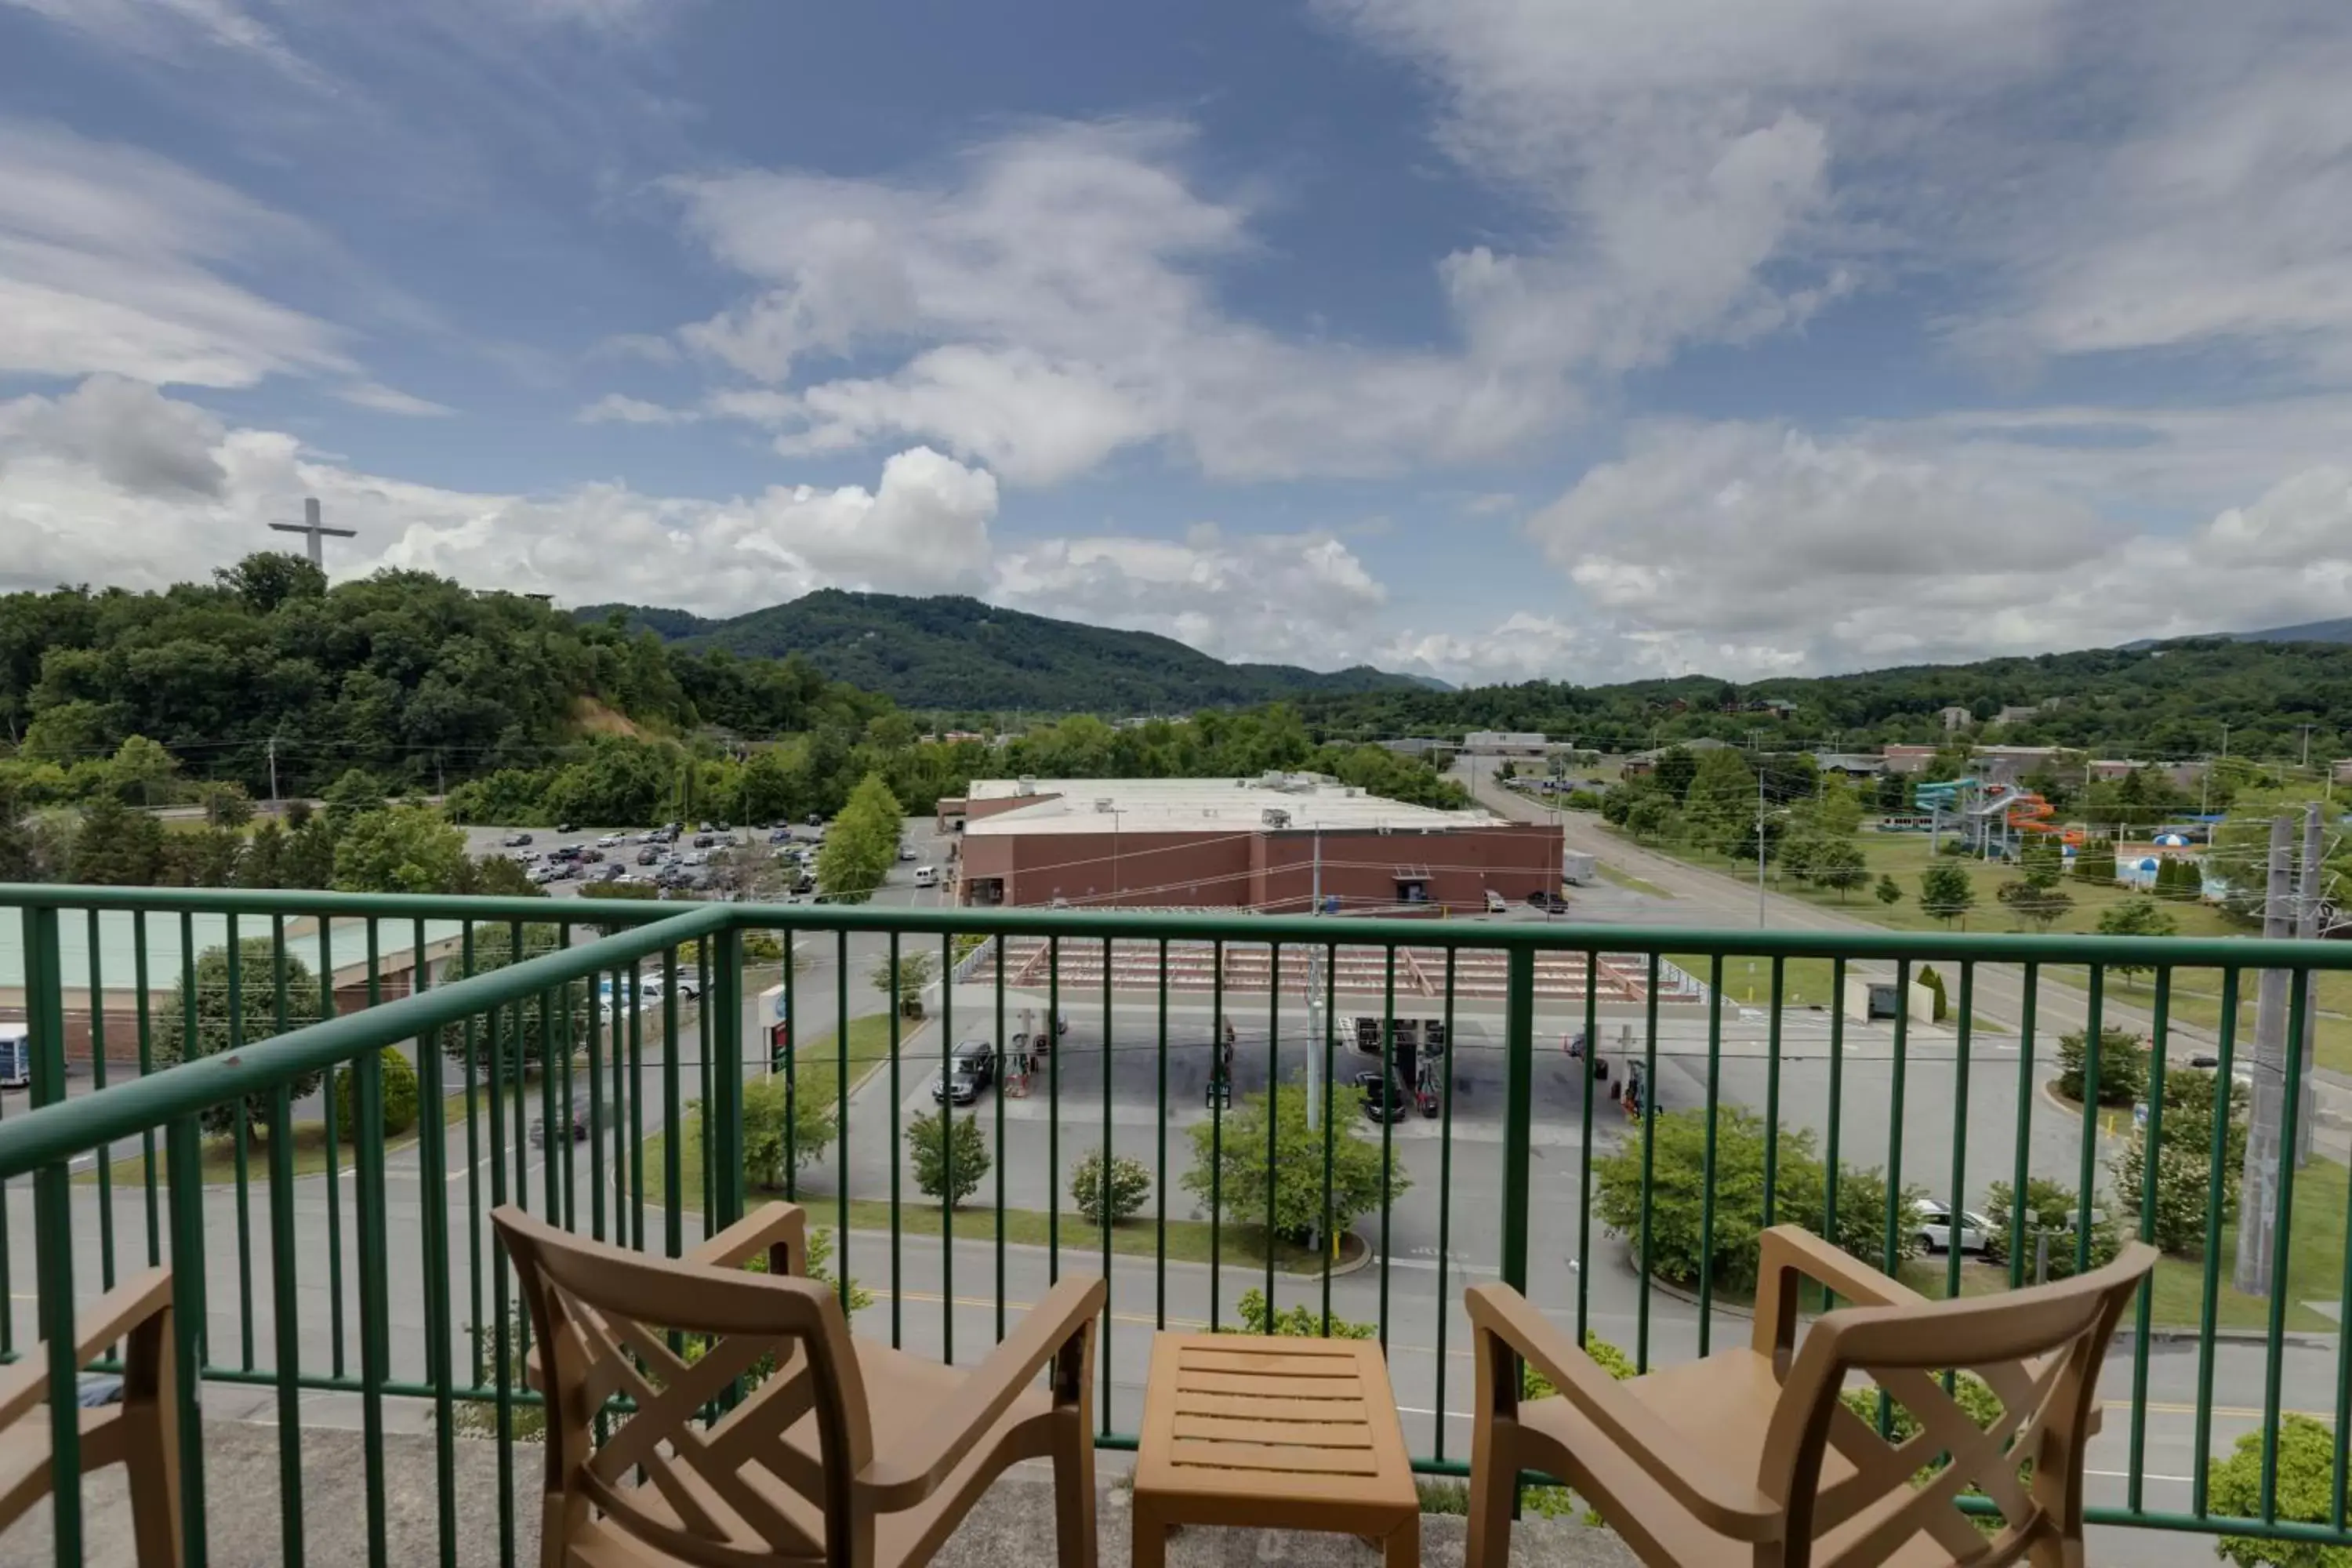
(549, 1063)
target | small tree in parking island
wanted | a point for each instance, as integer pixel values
(1130, 1185)
(1839, 866)
(2122, 1066)
(1945, 892)
(1889, 891)
(257, 1016)
(1233, 1171)
(950, 1156)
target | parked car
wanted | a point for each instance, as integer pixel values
(610, 871)
(542, 875)
(780, 835)
(1495, 904)
(696, 858)
(1549, 902)
(702, 828)
(567, 827)
(704, 841)
(515, 840)
(592, 856)
(907, 852)
(564, 852)
(804, 883)
(816, 819)
(1383, 1100)
(971, 1067)
(1932, 1220)
(649, 856)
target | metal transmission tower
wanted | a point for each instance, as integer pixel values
(313, 530)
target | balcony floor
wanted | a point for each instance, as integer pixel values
(1012, 1524)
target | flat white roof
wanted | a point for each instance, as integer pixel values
(1185, 806)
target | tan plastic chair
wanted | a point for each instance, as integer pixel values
(845, 1453)
(141, 1433)
(1749, 1456)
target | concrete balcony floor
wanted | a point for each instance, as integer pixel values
(1013, 1525)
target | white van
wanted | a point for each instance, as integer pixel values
(1495, 904)
(926, 876)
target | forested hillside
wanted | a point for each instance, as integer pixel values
(2168, 700)
(950, 654)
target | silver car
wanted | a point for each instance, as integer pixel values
(1932, 1221)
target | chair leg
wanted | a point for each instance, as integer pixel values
(1074, 1493)
(152, 1456)
(1494, 1466)
(1402, 1547)
(1149, 1549)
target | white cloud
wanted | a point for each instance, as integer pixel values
(615, 408)
(2221, 214)
(124, 433)
(1273, 599)
(383, 399)
(1746, 549)
(110, 259)
(164, 29)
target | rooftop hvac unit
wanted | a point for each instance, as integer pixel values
(1104, 803)
(1274, 818)
(1025, 785)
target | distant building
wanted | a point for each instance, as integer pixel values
(1853, 765)
(1641, 762)
(1417, 746)
(1955, 718)
(2014, 715)
(1504, 743)
(1271, 844)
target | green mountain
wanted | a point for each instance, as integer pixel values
(950, 653)
(2310, 631)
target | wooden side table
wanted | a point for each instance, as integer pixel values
(1283, 1433)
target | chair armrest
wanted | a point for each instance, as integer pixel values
(1786, 1250)
(1723, 1500)
(113, 1316)
(769, 1227)
(902, 1479)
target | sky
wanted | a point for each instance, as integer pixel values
(1491, 340)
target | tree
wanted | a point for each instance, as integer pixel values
(2042, 860)
(1293, 1322)
(2035, 905)
(1839, 866)
(398, 1096)
(269, 578)
(906, 981)
(950, 1156)
(356, 793)
(1933, 983)
(400, 849)
(256, 1014)
(2122, 1066)
(1947, 892)
(227, 804)
(2096, 860)
(2307, 1454)
(2184, 1166)
(1679, 1238)
(203, 858)
(806, 1101)
(2051, 1209)
(1650, 818)
(1889, 891)
(2136, 916)
(1675, 771)
(1234, 1171)
(1129, 1182)
(115, 845)
(140, 772)
(1722, 796)
(862, 845)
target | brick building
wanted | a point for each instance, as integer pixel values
(1273, 844)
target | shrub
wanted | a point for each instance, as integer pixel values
(1889, 891)
(2184, 1164)
(1934, 983)
(2050, 1210)
(399, 1080)
(1130, 1183)
(2306, 1479)
(767, 1103)
(2122, 1066)
(1236, 1172)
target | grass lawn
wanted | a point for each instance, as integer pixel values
(1626, 879)
(2315, 1265)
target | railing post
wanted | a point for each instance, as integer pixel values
(45, 1011)
(1518, 1112)
(726, 1128)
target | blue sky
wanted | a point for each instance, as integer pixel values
(1491, 338)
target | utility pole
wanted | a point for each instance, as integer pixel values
(2257, 1206)
(2306, 729)
(2308, 890)
(273, 772)
(1760, 848)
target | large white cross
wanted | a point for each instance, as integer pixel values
(314, 530)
